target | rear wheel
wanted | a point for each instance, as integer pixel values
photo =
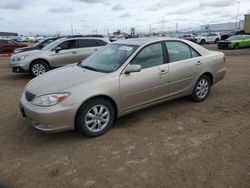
(95, 117)
(216, 40)
(201, 89)
(38, 67)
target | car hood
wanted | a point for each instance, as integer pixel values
(18, 50)
(26, 53)
(61, 79)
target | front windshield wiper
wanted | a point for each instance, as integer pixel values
(89, 68)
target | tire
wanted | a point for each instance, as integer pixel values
(236, 46)
(38, 67)
(216, 40)
(89, 120)
(201, 89)
(203, 41)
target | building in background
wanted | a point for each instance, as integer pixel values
(8, 35)
(247, 23)
(230, 26)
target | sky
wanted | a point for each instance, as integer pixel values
(47, 17)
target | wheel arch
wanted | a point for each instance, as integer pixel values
(210, 76)
(39, 59)
(110, 99)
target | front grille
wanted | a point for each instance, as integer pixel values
(29, 96)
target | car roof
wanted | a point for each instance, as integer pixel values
(77, 38)
(144, 40)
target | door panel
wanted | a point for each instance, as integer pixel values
(85, 52)
(185, 64)
(139, 88)
(182, 74)
(63, 57)
(148, 85)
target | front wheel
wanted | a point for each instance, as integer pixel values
(38, 67)
(236, 46)
(216, 40)
(95, 117)
(203, 41)
(201, 89)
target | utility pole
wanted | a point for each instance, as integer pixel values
(149, 29)
(71, 26)
(237, 14)
(176, 27)
(162, 25)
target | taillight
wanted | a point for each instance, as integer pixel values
(224, 59)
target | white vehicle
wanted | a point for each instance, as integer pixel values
(208, 38)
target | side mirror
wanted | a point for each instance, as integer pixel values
(57, 49)
(132, 68)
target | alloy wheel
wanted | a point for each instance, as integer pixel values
(38, 69)
(97, 118)
(202, 88)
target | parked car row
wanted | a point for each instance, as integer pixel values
(39, 59)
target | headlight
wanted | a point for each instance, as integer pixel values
(19, 58)
(49, 99)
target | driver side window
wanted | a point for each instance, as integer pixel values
(69, 44)
(149, 56)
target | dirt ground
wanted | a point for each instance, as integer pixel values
(175, 144)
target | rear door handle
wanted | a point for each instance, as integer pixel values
(74, 52)
(198, 62)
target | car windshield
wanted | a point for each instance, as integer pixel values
(38, 43)
(236, 37)
(53, 44)
(109, 58)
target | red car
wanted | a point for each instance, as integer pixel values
(10, 45)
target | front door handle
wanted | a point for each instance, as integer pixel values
(198, 63)
(163, 72)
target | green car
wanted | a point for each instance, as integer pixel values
(235, 42)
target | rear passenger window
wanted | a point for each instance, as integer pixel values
(178, 51)
(85, 43)
(69, 44)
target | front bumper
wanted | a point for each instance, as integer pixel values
(225, 45)
(19, 69)
(19, 66)
(49, 119)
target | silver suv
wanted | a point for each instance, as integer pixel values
(58, 53)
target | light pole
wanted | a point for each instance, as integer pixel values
(162, 24)
(237, 14)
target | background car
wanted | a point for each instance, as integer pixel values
(10, 45)
(37, 46)
(118, 79)
(235, 42)
(207, 38)
(186, 36)
(58, 53)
